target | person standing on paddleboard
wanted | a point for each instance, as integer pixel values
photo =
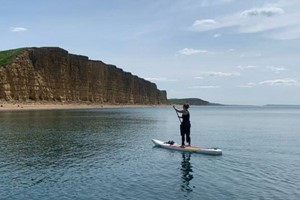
(185, 126)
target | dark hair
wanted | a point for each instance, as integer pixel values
(186, 105)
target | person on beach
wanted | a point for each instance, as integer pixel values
(185, 126)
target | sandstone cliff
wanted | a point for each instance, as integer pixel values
(52, 74)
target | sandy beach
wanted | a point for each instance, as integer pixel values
(6, 106)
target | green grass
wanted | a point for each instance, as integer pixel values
(6, 57)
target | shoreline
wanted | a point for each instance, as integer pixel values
(16, 106)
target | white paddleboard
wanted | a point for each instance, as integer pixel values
(193, 149)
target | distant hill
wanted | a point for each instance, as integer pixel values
(192, 101)
(282, 105)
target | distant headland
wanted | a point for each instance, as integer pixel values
(192, 101)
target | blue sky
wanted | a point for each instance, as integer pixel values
(223, 51)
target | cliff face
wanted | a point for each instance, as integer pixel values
(52, 74)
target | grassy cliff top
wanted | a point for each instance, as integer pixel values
(6, 57)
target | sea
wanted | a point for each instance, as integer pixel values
(108, 154)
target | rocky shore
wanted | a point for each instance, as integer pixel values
(11, 106)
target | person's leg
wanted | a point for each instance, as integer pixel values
(188, 138)
(182, 140)
(182, 134)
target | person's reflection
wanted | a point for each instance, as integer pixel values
(186, 169)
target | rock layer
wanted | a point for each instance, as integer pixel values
(52, 74)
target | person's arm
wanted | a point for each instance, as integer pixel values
(180, 111)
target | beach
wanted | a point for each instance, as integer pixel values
(5, 106)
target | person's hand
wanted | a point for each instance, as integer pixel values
(175, 108)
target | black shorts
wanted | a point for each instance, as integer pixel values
(185, 129)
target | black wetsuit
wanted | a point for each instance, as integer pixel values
(185, 129)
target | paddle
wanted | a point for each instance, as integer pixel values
(177, 114)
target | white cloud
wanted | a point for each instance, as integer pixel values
(261, 24)
(160, 79)
(219, 74)
(248, 85)
(274, 82)
(206, 3)
(199, 77)
(18, 29)
(195, 5)
(280, 21)
(277, 70)
(211, 24)
(247, 67)
(205, 87)
(205, 22)
(189, 51)
(267, 12)
(280, 82)
(217, 35)
(249, 55)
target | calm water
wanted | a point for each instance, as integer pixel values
(108, 154)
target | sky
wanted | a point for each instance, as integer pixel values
(224, 51)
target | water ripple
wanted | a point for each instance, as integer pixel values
(107, 154)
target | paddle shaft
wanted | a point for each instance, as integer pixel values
(177, 115)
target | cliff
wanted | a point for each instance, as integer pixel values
(53, 74)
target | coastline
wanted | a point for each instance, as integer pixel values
(10, 106)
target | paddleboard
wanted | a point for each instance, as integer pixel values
(193, 149)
